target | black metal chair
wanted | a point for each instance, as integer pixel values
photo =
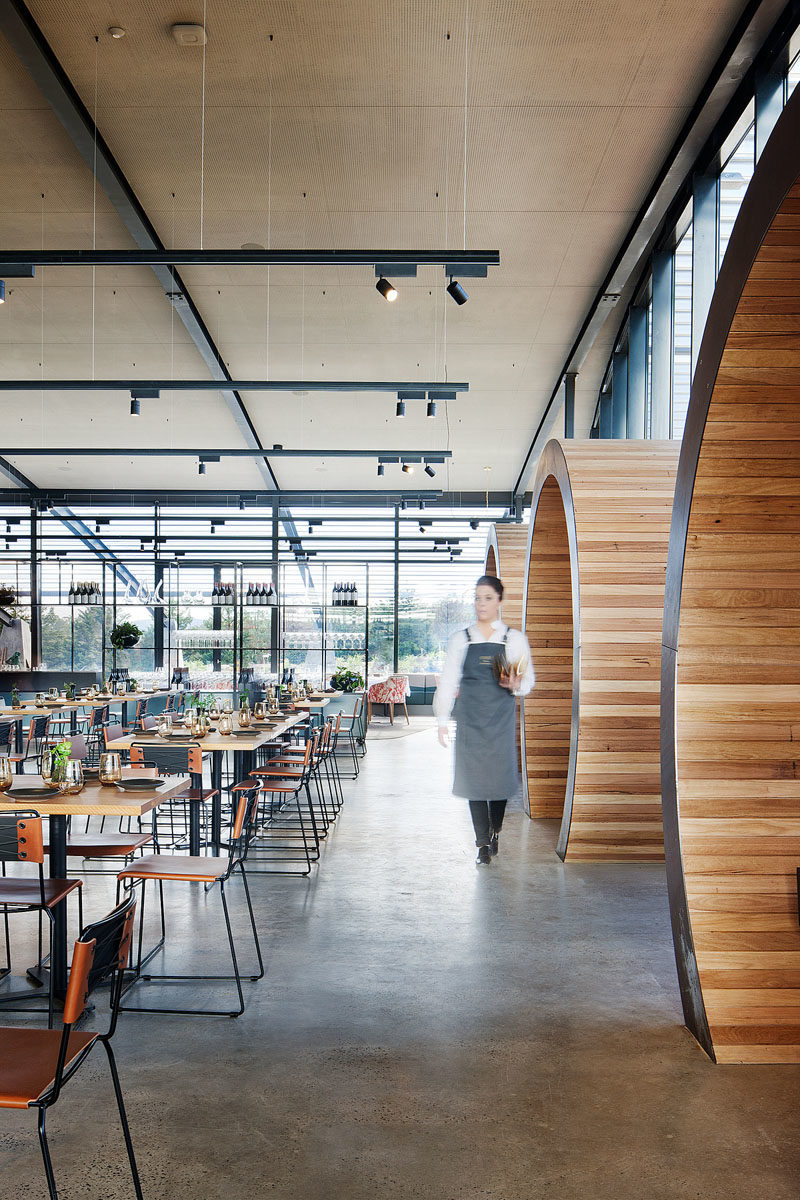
(36, 742)
(35, 1064)
(21, 840)
(285, 834)
(186, 759)
(209, 870)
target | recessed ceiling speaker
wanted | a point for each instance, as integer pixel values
(189, 35)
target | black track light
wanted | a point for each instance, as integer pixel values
(408, 469)
(455, 290)
(136, 408)
(473, 524)
(400, 411)
(381, 469)
(429, 470)
(201, 468)
(431, 409)
(241, 506)
(387, 291)
(404, 505)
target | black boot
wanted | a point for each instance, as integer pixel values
(493, 844)
(484, 856)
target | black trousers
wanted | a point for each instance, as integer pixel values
(487, 818)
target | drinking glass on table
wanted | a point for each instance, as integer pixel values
(6, 775)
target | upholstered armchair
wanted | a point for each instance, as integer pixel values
(389, 691)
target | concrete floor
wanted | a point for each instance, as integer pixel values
(430, 1029)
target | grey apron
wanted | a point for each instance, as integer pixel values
(486, 745)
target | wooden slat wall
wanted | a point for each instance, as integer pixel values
(547, 711)
(622, 494)
(506, 552)
(738, 677)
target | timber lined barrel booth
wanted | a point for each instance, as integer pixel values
(731, 658)
(594, 590)
(506, 549)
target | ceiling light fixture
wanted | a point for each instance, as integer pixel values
(400, 411)
(455, 290)
(431, 409)
(136, 408)
(386, 289)
(408, 469)
(201, 468)
(473, 524)
(429, 470)
(117, 32)
(381, 469)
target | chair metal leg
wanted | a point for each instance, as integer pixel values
(48, 1165)
(123, 1117)
(233, 949)
(260, 975)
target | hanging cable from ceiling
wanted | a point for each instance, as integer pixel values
(94, 196)
(203, 131)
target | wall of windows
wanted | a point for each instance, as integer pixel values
(414, 569)
(687, 259)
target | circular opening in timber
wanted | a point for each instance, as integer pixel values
(548, 712)
(491, 563)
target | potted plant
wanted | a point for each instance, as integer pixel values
(7, 595)
(347, 681)
(125, 635)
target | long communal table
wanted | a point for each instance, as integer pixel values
(216, 744)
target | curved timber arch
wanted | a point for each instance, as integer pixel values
(506, 547)
(594, 588)
(731, 653)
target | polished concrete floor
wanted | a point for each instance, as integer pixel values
(429, 1029)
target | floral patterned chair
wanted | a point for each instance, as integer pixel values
(389, 691)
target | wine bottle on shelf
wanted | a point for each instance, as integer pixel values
(249, 597)
(71, 596)
(262, 595)
(272, 597)
(355, 594)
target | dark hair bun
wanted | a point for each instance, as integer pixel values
(491, 581)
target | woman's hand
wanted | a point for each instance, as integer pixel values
(444, 736)
(511, 680)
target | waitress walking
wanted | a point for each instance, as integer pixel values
(486, 772)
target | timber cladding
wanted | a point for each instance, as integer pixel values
(597, 557)
(731, 737)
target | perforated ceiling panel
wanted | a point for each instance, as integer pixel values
(338, 125)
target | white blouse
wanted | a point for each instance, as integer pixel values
(450, 679)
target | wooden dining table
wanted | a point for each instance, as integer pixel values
(95, 800)
(24, 710)
(242, 743)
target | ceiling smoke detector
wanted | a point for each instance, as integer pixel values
(189, 35)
